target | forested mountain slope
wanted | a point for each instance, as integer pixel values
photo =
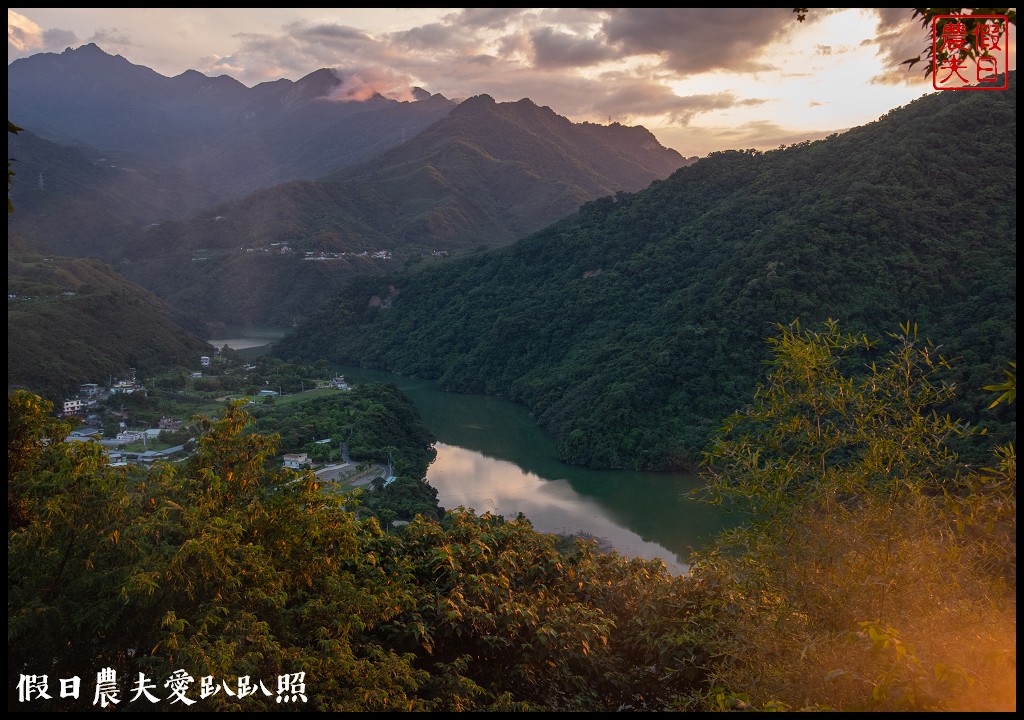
(74, 320)
(633, 327)
(82, 202)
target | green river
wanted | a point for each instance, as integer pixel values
(493, 457)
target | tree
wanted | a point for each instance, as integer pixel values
(817, 434)
(874, 566)
(229, 567)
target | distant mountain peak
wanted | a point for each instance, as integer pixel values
(92, 52)
(419, 93)
(320, 75)
(319, 82)
(89, 51)
(477, 101)
(85, 49)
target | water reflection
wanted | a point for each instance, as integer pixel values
(470, 479)
(240, 343)
(492, 456)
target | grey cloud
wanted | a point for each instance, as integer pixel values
(56, 39)
(252, 44)
(104, 37)
(432, 37)
(262, 57)
(899, 38)
(577, 19)
(892, 17)
(645, 99)
(484, 17)
(695, 40)
(303, 47)
(623, 96)
(513, 43)
(327, 32)
(557, 49)
(481, 59)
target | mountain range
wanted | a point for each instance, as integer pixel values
(481, 174)
(633, 327)
(229, 138)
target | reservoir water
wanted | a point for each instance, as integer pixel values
(249, 338)
(493, 457)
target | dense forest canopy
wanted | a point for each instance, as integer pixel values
(633, 327)
(876, 585)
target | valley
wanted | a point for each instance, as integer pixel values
(397, 400)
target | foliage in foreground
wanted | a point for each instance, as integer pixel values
(225, 568)
(877, 573)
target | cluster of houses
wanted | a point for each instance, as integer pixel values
(324, 255)
(90, 394)
(285, 249)
(87, 398)
(113, 446)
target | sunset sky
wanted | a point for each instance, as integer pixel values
(700, 79)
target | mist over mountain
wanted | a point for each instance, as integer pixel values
(229, 138)
(150, 150)
(632, 328)
(84, 202)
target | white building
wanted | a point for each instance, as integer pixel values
(296, 461)
(73, 407)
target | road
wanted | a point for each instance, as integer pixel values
(346, 473)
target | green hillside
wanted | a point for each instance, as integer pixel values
(73, 321)
(633, 327)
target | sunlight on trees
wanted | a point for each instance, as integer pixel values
(876, 572)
